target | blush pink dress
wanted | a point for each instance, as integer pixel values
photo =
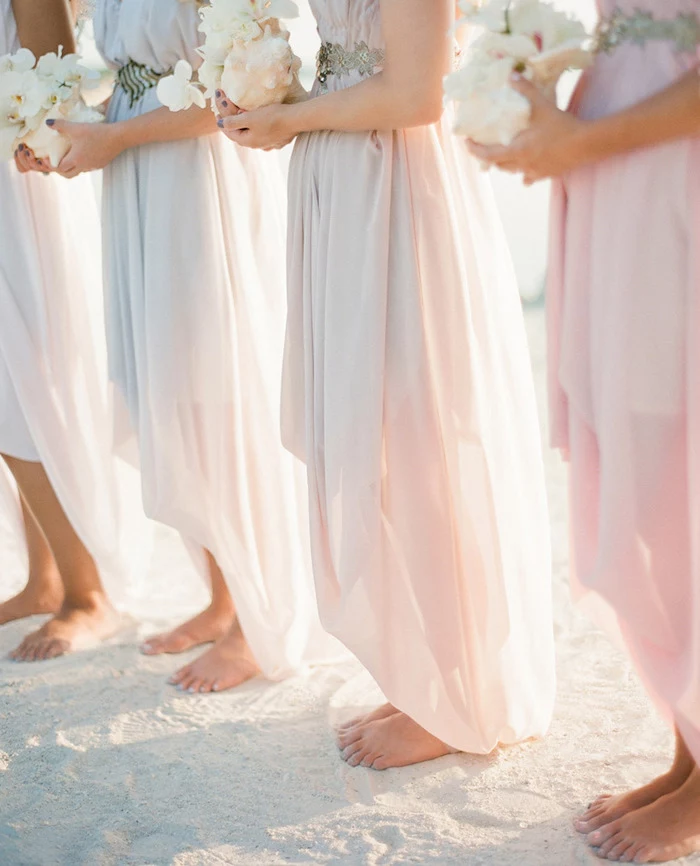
(408, 393)
(624, 313)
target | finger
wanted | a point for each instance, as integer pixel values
(527, 89)
(224, 106)
(490, 153)
(59, 125)
(233, 122)
(21, 160)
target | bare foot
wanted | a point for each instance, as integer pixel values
(73, 628)
(31, 601)
(608, 808)
(380, 713)
(667, 829)
(207, 627)
(226, 665)
(392, 741)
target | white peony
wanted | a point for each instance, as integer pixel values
(259, 73)
(177, 92)
(527, 36)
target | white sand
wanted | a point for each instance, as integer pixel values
(103, 764)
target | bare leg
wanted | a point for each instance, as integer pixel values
(86, 616)
(44, 590)
(389, 738)
(667, 829)
(609, 808)
(208, 626)
(230, 661)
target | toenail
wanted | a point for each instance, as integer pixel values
(191, 690)
(215, 687)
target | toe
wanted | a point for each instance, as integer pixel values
(152, 646)
(57, 648)
(618, 850)
(351, 750)
(380, 763)
(180, 675)
(348, 738)
(186, 682)
(600, 837)
(356, 759)
(646, 854)
(608, 845)
(206, 687)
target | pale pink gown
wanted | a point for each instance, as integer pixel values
(408, 393)
(624, 318)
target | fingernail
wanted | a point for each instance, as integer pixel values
(218, 94)
(50, 121)
(224, 103)
(516, 76)
(21, 147)
(220, 123)
(40, 162)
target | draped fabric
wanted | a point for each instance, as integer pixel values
(624, 314)
(408, 393)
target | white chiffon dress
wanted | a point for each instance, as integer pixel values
(408, 393)
(194, 266)
(54, 401)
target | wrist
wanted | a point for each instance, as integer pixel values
(117, 136)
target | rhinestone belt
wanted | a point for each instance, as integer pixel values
(333, 59)
(640, 27)
(136, 79)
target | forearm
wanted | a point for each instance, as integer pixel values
(43, 25)
(162, 125)
(672, 114)
(408, 90)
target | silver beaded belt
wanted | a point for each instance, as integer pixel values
(136, 79)
(333, 59)
(640, 27)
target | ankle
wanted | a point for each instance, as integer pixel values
(91, 601)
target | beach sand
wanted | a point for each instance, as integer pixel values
(102, 763)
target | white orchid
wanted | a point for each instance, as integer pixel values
(209, 76)
(32, 92)
(177, 92)
(245, 52)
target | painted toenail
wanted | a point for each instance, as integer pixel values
(191, 690)
(215, 687)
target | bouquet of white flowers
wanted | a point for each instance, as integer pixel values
(246, 54)
(32, 92)
(530, 37)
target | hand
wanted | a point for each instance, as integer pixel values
(26, 161)
(551, 146)
(265, 128)
(93, 146)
